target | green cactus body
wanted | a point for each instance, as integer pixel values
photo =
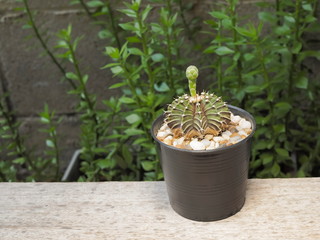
(197, 115)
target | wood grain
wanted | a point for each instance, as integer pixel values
(274, 209)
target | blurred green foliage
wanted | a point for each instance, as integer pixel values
(258, 62)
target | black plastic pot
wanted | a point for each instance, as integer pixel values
(206, 185)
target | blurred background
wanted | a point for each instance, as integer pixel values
(94, 74)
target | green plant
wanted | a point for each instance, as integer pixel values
(148, 81)
(19, 163)
(197, 115)
(268, 76)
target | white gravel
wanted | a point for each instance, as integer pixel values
(239, 129)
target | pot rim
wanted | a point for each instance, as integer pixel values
(231, 107)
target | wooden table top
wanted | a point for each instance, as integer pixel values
(274, 209)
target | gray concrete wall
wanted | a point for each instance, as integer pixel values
(34, 80)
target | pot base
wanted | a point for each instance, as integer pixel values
(208, 216)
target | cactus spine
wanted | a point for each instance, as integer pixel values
(197, 115)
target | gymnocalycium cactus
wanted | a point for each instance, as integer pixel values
(197, 115)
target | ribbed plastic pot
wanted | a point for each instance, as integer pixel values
(206, 185)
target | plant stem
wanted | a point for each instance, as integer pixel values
(16, 138)
(219, 67)
(57, 153)
(294, 55)
(169, 57)
(86, 96)
(86, 9)
(235, 40)
(184, 22)
(113, 23)
(169, 42)
(145, 57)
(44, 45)
(136, 97)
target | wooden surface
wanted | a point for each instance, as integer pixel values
(274, 209)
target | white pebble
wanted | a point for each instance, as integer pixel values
(218, 139)
(206, 142)
(168, 140)
(195, 145)
(175, 143)
(164, 127)
(208, 136)
(235, 119)
(213, 145)
(168, 131)
(180, 140)
(243, 133)
(228, 133)
(225, 136)
(235, 139)
(244, 123)
(239, 128)
(162, 134)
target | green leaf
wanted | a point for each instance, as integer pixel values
(128, 12)
(95, 3)
(290, 19)
(267, 158)
(253, 89)
(44, 120)
(110, 65)
(157, 57)
(297, 46)
(309, 53)
(113, 52)
(127, 155)
(219, 15)
(244, 32)
(147, 165)
(302, 82)
(71, 75)
(282, 30)
(260, 145)
(275, 170)
(49, 143)
(260, 104)
(133, 118)
(117, 85)
(307, 7)
(279, 128)
(281, 109)
(248, 56)
(126, 100)
(133, 39)
(146, 12)
(20, 160)
(104, 163)
(210, 49)
(267, 17)
(133, 132)
(282, 152)
(135, 51)
(120, 161)
(116, 70)
(128, 27)
(223, 51)
(103, 34)
(162, 88)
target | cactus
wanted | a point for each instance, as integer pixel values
(198, 114)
